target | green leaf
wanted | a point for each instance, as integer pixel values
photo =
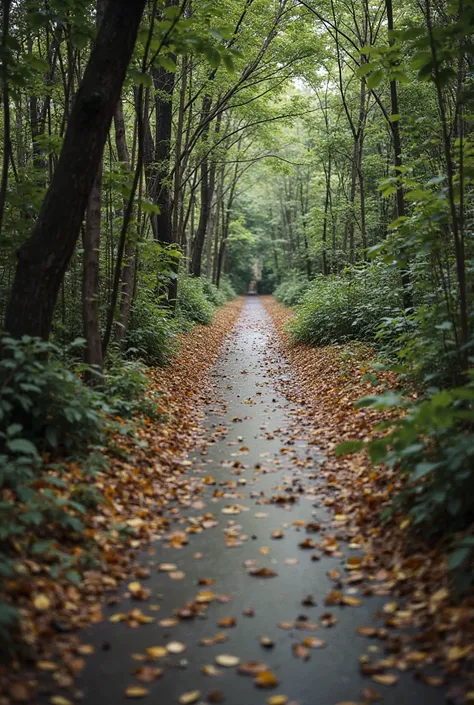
(364, 69)
(140, 78)
(167, 63)
(228, 63)
(21, 445)
(375, 79)
(458, 557)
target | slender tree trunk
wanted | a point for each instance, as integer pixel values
(177, 151)
(164, 82)
(90, 280)
(398, 162)
(6, 109)
(42, 260)
(91, 263)
(128, 269)
(205, 205)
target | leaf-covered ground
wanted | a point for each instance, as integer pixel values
(241, 561)
(330, 381)
(138, 485)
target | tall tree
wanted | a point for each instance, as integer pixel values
(43, 259)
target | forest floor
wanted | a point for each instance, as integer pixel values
(254, 569)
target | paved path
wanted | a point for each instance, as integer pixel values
(246, 411)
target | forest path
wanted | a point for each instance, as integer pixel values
(254, 446)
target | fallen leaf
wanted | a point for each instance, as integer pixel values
(134, 691)
(191, 697)
(266, 679)
(227, 660)
(41, 602)
(385, 678)
(175, 647)
(156, 652)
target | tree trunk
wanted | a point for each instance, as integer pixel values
(128, 269)
(91, 263)
(398, 162)
(90, 280)
(42, 260)
(6, 109)
(164, 82)
(205, 206)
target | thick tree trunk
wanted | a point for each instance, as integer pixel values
(43, 259)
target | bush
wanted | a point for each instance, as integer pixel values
(126, 389)
(432, 444)
(152, 331)
(226, 288)
(291, 291)
(215, 296)
(347, 306)
(44, 409)
(42, 402)
(192, 303)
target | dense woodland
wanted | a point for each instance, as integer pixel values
(158, 157)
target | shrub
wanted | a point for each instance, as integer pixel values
(226, 288)
(126, 389)
(44, 409)
(152, 331)
(432, 444)
(348, 306)
(291, 291)
(192, 303)
(42, 402)
(215, 296)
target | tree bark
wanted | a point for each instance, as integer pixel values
(164, 82)
(205, 206)
(398, 162)
(6, 110)
(91, 263)
(128, 269)
(42, 260)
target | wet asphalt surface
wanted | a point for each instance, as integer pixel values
(247, 411)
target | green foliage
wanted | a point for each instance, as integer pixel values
(348, 306)
(42, 404)
(126, 390)
(214, 295)
(193, 305)
(226, 288)
(292, 290)
(152, 330)
(432, 444)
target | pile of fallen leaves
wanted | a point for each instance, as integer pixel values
(144, 477)
(435, 626)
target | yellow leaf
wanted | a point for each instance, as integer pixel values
(385, 678)
(456, 653)
(266, 679)
(41, 602)
(227, 660)
(156, 652)
(135, 691)
(190, 697)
